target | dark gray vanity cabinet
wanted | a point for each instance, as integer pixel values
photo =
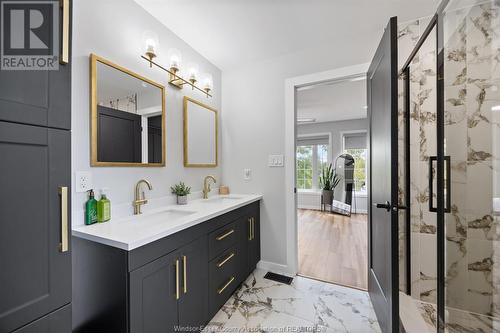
(35, 171)
(35, 187)
(180, 280)
(170, 291)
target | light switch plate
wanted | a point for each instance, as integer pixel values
(83, 181)
(247, 174)
(275, 160)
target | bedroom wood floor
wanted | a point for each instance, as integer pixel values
(333, 248)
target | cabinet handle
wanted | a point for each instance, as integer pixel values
(184, 263)
(64, 59)
(250, 228)
(63, 192)
(221, 237)
(221, 290)
(220, 264)
(253, 228)
(177, 294)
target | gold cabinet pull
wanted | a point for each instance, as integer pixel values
(177, 293)
(221, 290)
(184, 269)
(250, 229)
(220, 264)
(64, 59)
(64, 245)
(253, 228)
(221, 237)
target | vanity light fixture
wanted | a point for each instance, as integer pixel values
(208, 83)
(174, 70)
(150, 45)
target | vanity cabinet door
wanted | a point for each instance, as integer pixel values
(35, 272)
(253, 239)
(154, 292)
(38, 97)
(193, 302)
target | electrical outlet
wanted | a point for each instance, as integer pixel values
(247, 174)
(83, 181)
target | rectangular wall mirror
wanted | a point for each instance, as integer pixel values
(127, 117)
(200, 135)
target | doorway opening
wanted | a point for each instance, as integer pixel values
(331, 181)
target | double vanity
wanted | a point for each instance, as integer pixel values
(169, 269)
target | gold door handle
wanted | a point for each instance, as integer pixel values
(221, 237)
(64, 245)
(250, 229)
(64, 59)
(184, 269)
(177, 293)
(221, 290)
(223, 262)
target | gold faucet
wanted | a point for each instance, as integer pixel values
(138, 201)
(206, 185)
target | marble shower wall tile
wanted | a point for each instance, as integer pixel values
(480, 276)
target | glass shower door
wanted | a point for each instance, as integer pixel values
(471, 49)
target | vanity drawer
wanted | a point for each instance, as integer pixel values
(223, 266)
(220, 293)
(221, 239)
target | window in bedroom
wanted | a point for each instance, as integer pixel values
(311, 157)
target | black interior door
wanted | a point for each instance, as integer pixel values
(383, 232)
(119, 136)
(154, 139)
(35, 276)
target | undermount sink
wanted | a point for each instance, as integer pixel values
(162, 215)
(220, 199)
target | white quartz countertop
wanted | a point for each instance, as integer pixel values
(135, 231)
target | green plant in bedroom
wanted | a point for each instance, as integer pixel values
(181, 190)
(328, 180)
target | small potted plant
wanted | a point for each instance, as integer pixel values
(181, 190)
(328, 181)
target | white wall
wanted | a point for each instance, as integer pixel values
(114, 30)
(253, 128)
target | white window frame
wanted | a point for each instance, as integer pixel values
(315, 179)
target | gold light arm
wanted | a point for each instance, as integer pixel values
(64, 245)
(64, 59)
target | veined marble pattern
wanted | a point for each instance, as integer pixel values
(472, 134)
(261, 305)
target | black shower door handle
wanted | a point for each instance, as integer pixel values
(447, 179)
(386, 205)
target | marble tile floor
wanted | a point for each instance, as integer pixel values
(307, 305)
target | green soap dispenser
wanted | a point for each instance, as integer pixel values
(91, 209)
(103, 208)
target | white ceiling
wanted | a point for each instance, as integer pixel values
(333, 102)
(231, 33)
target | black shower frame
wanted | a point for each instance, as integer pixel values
(437, 23)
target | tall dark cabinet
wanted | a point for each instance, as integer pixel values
(35, 173)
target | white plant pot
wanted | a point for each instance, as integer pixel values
(182, 199)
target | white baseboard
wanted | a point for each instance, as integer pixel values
(275, 268)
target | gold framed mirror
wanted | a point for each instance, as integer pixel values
(201, 142)
(127, 117)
